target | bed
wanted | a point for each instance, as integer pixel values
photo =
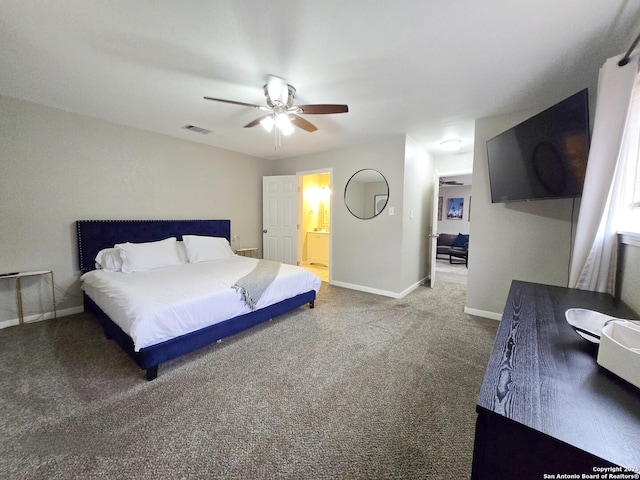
(159, 313)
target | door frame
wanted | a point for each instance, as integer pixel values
(301, 234)
(434, 225)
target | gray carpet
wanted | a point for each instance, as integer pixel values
(362, 386)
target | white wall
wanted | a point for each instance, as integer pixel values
(368, 254)
(58, 167)
(528, 241)
(416, 215)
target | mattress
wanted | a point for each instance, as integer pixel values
(157, 305)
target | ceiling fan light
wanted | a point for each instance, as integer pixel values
(267, 123)
(452, 145)
(283, 122)
(287, 129)
(278, 91)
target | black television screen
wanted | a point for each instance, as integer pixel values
(543, 157)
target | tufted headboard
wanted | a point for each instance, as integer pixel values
(94, 235)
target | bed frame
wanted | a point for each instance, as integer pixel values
(94, 235)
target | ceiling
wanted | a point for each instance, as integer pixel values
(422, 67)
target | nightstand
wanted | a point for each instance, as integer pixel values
(18, 276)
(248, 252)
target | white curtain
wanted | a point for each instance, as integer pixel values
(594, 257)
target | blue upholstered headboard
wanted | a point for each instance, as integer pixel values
(94, 235)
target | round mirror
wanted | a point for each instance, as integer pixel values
(366, 193)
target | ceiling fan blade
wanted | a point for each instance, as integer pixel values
(255, 122)
(322, 109)
(234, 102)
(302, 123)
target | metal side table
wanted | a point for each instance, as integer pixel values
(18, 276)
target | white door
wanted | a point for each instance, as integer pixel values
(433, 234)
(280, 218)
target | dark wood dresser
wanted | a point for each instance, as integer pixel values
(546, 409)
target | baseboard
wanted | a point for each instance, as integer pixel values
(483, 313)
(377, 291)
(412, 287)
(42, 316)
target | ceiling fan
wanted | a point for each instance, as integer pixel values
(450, 182)
(282, 112)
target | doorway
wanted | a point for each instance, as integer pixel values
(314, 237)
(454, 193)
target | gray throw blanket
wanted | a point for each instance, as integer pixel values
(253, 285)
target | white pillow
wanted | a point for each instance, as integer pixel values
(137, 257)
(182, 252)
(205, 249)
(109, 259)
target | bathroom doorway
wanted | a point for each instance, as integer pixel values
(314, 242)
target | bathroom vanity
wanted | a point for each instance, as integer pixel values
(318, 248)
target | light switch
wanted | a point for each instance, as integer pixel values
(391, 211)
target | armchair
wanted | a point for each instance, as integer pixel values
(460, 252)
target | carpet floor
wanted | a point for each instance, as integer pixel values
(362, 386)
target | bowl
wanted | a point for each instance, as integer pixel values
(587, 323)
(619, 350)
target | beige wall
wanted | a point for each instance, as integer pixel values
(370, 254)
(528, 241)
(416, 214)
(57, 167)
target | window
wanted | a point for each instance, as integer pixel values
(630, 218)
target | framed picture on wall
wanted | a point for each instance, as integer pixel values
(454, 208)
(379, 201)
(439, 208)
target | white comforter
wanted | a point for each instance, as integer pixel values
(157, 305)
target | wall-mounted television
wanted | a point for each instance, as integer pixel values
(543, 157)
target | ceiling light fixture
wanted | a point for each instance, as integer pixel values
(278, 91)
(451, 145)
(282, 112)
(279, 98)
(267, 123)
(281, 121)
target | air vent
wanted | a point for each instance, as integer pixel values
(193, 128)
